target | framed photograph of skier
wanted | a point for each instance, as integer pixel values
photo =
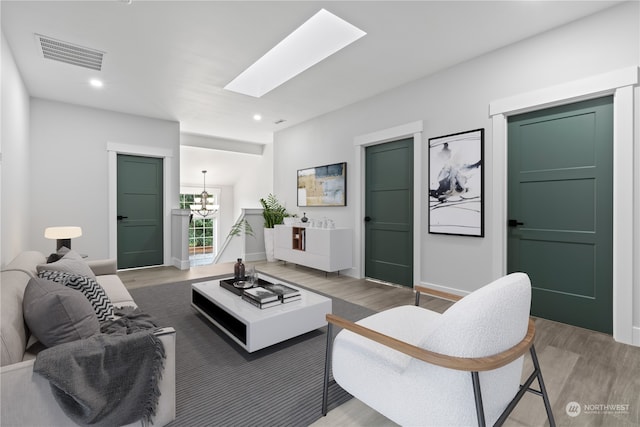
(456, 184)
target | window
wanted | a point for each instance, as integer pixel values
(202, 231)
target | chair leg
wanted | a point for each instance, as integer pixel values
(478, 396)
(543, 389)
(327, 367)
(536, 374)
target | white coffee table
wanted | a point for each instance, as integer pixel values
(254, 328)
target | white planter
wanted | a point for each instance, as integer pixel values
(268, 244)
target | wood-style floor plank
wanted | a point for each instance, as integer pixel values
(556, 365)
(578, 365)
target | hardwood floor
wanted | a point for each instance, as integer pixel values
(578, 365)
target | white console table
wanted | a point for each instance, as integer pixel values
(327, 249)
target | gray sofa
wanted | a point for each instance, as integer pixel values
(27, 399)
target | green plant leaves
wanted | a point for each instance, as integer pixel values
(273, 211)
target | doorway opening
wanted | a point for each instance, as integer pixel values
(203, 231)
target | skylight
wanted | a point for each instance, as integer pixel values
(318, 38)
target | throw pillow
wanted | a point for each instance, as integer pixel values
(56, 314)
(58, 255)
(71, 262)
(91, 289)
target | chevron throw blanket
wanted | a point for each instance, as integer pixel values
(111, 378)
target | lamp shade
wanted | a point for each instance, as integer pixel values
(62, 232)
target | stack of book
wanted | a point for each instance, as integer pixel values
(285, 293)
(261, 297)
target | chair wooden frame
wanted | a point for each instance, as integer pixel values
(472, 365)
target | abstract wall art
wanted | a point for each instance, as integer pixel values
(456, 184)
(323, 185)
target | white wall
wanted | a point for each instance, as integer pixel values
(69, 169)
(226, 216)
(14, 158)
(456, 100)
(242, 179)
(254, 183)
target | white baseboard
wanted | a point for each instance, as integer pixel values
(180, 264)
(255, 256)
(445, 289)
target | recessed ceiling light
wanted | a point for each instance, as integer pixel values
(320, 37)
(96, 83)
(257, 117)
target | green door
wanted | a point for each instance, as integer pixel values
(389, 212)
(560, 207)
(140, 211)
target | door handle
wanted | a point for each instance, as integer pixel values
(120, 217)
(367, 218)
(514, 223)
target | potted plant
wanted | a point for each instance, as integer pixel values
(273, 213)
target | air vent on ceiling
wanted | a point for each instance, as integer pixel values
(70, 53)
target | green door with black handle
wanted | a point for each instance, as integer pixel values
(389, 212)
(140, 211)
(560, 210)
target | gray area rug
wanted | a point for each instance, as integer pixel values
(219, 384)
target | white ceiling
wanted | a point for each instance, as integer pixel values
(171, 59)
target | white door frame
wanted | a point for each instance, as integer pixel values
(408, 130)
(113, 149)
(626, 192)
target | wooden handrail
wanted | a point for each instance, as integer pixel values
(436, 293)
(474, 364)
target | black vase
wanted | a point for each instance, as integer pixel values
(304, 217)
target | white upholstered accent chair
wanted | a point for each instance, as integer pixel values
(462, 367)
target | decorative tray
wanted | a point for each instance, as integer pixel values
(228, 284)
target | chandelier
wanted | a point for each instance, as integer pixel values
(204, 208)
